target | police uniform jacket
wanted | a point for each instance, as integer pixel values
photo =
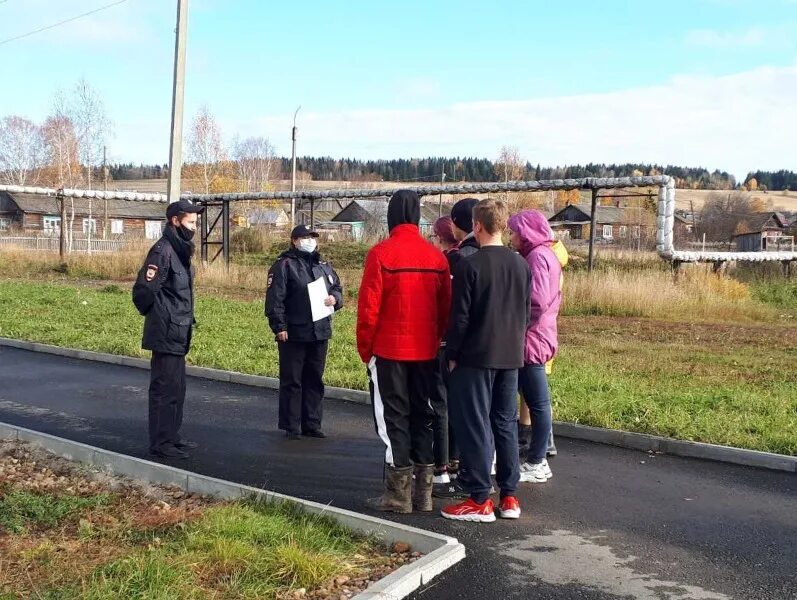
(287, 298)
(164, 294)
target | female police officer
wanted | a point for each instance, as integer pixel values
(164, 294)
(302, 342)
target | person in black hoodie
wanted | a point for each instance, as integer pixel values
(164, 294)
(462, 218)
(302, 343)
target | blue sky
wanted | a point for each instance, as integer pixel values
(709, 82)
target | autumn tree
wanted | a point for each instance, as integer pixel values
(725, 214)
(21, 151)
(255, 158)
(205, 146)
(510, 167)
(92, 125)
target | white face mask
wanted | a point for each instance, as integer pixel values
(308, 245)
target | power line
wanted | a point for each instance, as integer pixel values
(65, 21)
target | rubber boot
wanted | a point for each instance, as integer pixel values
(398, 487)
(422, 494)
(524, 441)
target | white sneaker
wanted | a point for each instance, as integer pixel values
(442, 478)
(547, 468)
(530, 473)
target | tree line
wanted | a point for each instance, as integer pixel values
(772, 180)
(431, 169)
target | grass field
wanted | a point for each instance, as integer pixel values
(67, 533)
(722, 380)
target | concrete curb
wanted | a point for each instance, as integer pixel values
(440, 551)
(645, 442)
(612, 437)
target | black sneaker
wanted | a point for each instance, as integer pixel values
(168, 452)
(314, 433)
(186, 445)
(292, 435)
(451, 490)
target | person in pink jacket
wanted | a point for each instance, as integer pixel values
(532, 237)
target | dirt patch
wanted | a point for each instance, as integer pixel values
(677, 333)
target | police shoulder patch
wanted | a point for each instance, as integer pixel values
(152, 271)
(270, 280)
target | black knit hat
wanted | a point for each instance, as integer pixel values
(462, 214)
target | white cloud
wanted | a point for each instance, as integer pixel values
(737, 123)
(715, 38)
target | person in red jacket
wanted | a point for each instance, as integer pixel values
(402, 314)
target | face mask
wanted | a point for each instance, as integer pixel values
(308, 245)
(185, 233)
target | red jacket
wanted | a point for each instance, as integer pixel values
(405, 298)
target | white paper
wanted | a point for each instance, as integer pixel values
(318, 294)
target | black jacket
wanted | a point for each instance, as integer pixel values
(164, 294)
(490, 310)
(467, 247)
(287, 299)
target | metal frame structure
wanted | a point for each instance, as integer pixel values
(665, 219)
(594, 184)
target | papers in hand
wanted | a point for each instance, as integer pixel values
(318, 294)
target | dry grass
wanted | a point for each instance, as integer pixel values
(697, 295)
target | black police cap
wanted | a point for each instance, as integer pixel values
(301, 231)
(182, 206)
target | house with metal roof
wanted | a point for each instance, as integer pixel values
(612, 222)
(363, 218)
(769, 232)
(37, 214)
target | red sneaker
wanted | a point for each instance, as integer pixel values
(470, 511)
(510, 508)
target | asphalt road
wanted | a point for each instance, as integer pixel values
(611, 524)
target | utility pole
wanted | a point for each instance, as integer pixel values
(440, 201)
(293, 168)
(178, 90)
(105, 189)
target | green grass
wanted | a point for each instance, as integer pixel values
(780, 294)
(251, 549)
(21, 509)
(731, 396)
(342, 255)
(727, 384)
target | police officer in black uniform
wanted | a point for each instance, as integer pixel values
(164, 294)
(302, 343)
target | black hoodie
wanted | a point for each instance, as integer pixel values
(404, 208)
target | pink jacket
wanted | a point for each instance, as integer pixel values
(546, 295)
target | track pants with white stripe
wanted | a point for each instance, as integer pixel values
(400, 392)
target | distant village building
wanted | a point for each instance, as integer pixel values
(771, 232)
(368, 218)
(612, 223)
(36, 214)
(275, 218)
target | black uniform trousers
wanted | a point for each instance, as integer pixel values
(301, 385)
(400, 392)
(486, 413)
(166, 399)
